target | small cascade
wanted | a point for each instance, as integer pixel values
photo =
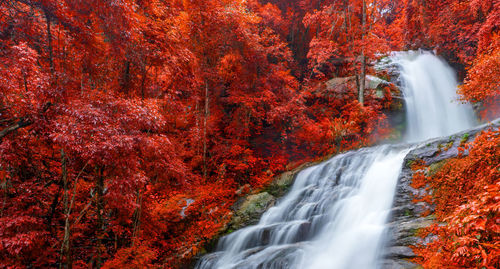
(429, 87)
(334, 216)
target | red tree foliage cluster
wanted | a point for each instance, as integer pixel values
(466, 194)
(467, 34)
(127, 127)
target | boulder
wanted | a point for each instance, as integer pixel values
(251, 210)
(281, 184)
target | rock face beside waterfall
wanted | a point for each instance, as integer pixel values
(405, 217)
(250, 210)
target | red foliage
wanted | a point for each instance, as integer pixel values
(127, 127)
(466, 194)
(340, 37)
(114, 115)
(467, 34)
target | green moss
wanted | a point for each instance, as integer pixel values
(408, 213)
(465, 138)
(251, 209)
(414, 231)
(409, 163)
(449, 145)
(281, 185)
(435, 167)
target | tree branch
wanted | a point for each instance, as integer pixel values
(23, 122)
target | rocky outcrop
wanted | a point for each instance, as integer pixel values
(342, 85)
(251, 209)
(406, 218)
(248, 209)
(282, 183)
(387, 77)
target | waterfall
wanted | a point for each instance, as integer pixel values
(335, 213)
(429, 87)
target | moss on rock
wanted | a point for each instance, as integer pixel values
(251, 209)
(435, 167)
(281, 184)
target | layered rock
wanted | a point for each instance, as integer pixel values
(406, 217)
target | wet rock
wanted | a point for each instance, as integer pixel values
(399, 264)
(341, 85)
(403, 231)
(280, 257)
(400, 252)
(251, 209)
(281, 184)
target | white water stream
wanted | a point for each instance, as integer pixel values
(335, 213)
(429, 87)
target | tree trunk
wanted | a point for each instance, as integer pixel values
(137, 218)
(11, 128)
(143, 81)
(363, 60)
(100, 218)
(49, 41)
(424, 16)
(126, 77)
(205, 133)
(22, 122)
(361, 97)
(25, 82)
(65, 247)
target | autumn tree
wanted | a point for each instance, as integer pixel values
(345, 34)
(109, 109)
(68, 65)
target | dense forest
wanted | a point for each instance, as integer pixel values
(128, 128)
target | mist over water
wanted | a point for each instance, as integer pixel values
(334, 216)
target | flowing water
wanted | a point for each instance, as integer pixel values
(335, 213)
(429, 88)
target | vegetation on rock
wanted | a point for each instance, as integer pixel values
(465, 191)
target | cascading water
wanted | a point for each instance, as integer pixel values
(334, 212)
(429, 87)
(334, 215)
